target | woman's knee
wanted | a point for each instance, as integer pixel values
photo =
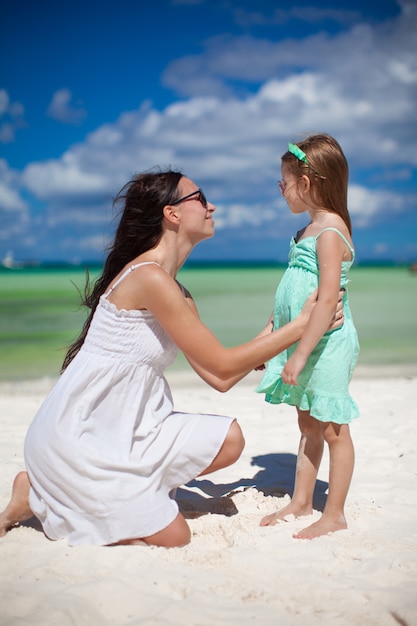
(230, 451)
(235, 441)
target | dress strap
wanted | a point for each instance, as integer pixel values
(123, 276)
(352, 251)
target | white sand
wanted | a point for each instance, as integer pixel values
(234, 571)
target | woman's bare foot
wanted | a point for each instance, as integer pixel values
(18, 509)
(290, 509)
(324, 526)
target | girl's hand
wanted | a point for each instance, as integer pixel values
(296, 362)
(292, 369)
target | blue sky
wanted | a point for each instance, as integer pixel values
(92, 93)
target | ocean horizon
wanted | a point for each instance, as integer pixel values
(40, 311)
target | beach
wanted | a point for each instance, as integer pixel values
(234, 571)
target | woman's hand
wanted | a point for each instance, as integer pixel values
(338, 318)
(309, 304)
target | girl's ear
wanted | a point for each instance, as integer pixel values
(304, 184)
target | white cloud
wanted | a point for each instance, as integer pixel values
(95, 244)
(381, 248)
(10, 199)
(278, 16)
(239, 214)
(7, 132)
(235, 140)
(63, 109)
(359, 86)
(364, 76)
(11, 117)
(63, 178)
(365, 204)
(14, 211)
(4, 101)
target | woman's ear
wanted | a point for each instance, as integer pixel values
(171, 214)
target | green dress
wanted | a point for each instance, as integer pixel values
(323, 384)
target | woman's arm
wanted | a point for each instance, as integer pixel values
(208, 377)
(330, 251)
(156, 291)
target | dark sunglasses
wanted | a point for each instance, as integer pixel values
(201, 198)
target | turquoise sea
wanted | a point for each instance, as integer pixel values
(40, 313)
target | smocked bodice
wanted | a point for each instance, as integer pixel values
(129, 336)
(303, 255)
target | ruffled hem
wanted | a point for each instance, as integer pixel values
(339, 410)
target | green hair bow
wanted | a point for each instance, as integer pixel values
(297, 152)
(301, 156)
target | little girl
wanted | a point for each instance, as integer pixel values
(313, 375)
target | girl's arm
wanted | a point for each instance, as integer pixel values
(330, 251)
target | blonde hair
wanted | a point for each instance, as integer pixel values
(328, 171)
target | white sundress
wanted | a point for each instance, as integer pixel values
(106, 447)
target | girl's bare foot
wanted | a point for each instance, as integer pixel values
(290, 509)
(18, 509)
(324, 526)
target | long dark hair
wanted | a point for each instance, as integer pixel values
(140, 228)
(327, 170)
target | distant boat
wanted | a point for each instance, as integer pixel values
(9, 262)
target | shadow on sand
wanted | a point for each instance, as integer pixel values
(275, 477)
